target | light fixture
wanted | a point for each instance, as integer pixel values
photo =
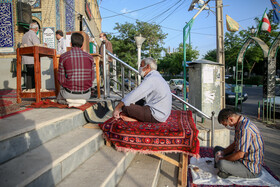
(253, 30)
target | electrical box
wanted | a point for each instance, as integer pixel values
(205, 86)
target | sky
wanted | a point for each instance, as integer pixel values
(173, 15)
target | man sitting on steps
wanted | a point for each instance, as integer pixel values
(75, 72)
(156, 93)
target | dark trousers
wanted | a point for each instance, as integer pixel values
(141, 113)
(30, 78)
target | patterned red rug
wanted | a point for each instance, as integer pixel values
(9, 105)
(49, 104)
(208, 152)
(177, 134)
(7, 93)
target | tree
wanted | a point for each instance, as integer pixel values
(124, 43)
(211, 55)
(172, 62)
(254, 55)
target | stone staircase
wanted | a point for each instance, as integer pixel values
(57, 147)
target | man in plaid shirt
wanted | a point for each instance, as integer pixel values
(75, 72)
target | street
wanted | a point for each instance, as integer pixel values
(250, 107)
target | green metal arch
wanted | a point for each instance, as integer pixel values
(245, 46)
(240, 59)
(270, 78)
(272, 53)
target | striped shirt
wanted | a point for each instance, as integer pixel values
(248, 139)
(76, 70)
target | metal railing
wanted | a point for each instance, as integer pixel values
(121, 84)
(120, 87)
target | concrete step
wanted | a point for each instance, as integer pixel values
(28, 130)
(105, 168)
(169, 172)
(221, 134)
(49, 163)
(143, 171)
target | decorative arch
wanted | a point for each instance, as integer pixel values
(245, 46)
(240, 59)
(274, 47)
(270, 78)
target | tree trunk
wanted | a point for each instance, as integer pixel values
(251, 69)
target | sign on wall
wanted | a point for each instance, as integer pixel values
(49, 37)
(88, 10)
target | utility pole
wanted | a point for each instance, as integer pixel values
(220, 47)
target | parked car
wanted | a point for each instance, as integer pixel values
(230, 95)
(228, 76)
(126, 83)
(277, 102)
(176, 86)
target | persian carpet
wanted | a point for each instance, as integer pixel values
(9, 105)
(8, 93)
(208, 152)
(49, 104)
(177, 134)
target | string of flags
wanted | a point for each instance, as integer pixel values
(264, 25)
(276, 11)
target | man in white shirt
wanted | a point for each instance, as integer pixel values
(156, 93)
(30, 38)
(61, 44)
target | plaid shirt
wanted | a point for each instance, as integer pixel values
(248, 139)
(76, 70)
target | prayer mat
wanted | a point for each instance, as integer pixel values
(205, 170)
(99, 112)
(49, 104)
(8, 93)
(9, 107)
(177, 134)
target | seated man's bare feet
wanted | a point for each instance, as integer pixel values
(126, 118)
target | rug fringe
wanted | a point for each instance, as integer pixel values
(124, 149)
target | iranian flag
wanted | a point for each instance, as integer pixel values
(265, 23)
